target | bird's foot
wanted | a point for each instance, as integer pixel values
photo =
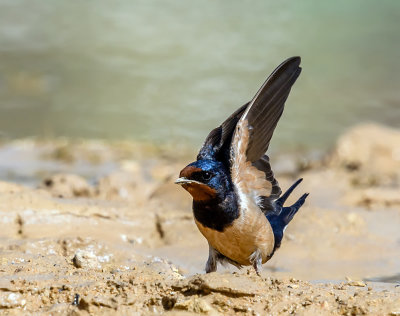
(256, 260)
(211, 265)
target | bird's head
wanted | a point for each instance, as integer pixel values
(205, 180)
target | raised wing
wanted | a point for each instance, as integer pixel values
(264, 111)
(250, 170)
(219, 139)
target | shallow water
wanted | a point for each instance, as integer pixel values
(171, 70)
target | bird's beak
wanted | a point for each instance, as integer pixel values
(183, 180)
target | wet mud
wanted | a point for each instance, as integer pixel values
(96, 228)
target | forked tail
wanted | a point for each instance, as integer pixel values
(283, 215)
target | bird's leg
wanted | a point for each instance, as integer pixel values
(211, 265)
(256, 260)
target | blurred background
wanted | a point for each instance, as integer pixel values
(169, 71)
(102, 103)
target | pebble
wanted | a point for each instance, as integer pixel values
(85, 259)
(10, 300)
(195, 305)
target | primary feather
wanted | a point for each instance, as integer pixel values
(236, 198)
(262, 114)
(250, 169)
(264, 111)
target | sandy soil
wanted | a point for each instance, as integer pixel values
(105, 231)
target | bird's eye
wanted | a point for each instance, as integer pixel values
(206, 176)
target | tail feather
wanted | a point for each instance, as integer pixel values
(288, 213)
(279, 202)
(283, 215)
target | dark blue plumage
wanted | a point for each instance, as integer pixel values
(237, 202)
(283, 215)
(220, 210)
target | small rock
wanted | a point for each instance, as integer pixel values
(85, 259)
(356, 283)
(11, 300)
(195, 305)
(168, 302)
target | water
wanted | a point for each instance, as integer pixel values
(171, 70)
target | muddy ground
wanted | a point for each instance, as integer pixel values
(90, 227)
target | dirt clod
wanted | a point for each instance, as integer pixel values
(127, 244)
(85, 259)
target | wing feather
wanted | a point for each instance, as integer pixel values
(243, 138)
(267, 106)
(253, 134)
(219, 139)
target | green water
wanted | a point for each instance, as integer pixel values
(171, 70)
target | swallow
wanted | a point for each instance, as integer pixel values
(237, 202)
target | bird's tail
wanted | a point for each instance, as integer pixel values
(283, 215)
(286, 214)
